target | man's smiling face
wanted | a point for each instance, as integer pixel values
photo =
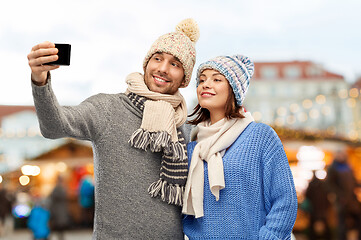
(164, 73)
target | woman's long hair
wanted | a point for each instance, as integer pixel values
(232, 110)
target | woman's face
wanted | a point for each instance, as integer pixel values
(213, 91)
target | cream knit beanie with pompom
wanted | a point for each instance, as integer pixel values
(180, 44)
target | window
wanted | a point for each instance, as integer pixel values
(314, 71)
(292, 72)
(269, 72)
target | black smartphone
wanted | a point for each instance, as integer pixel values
(63, 53)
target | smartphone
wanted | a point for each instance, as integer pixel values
(63, 54)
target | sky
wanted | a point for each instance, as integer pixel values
(110, 38)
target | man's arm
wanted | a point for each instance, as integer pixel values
(85, 121)
(81, 122)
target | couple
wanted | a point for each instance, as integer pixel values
(232, 181)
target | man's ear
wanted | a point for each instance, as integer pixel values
(184, 81)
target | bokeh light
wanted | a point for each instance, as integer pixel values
(24, 180)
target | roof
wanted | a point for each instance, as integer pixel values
(72, 152)
(308, 70)
(6, 110)
(71, 149)
(357, 84)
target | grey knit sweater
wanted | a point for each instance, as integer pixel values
(123, 207)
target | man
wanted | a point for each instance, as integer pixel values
(5, 211)
(58, 207)
(140, 160)
(342, 184)
(317, 195)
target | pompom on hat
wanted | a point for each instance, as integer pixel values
(180, 44)
(237, 69)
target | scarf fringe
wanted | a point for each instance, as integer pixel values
(176, 151)
(158, 141)
(172, 194)
(140, 139)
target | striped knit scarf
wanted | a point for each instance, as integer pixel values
(162, 115)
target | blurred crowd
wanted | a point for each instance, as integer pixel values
(46, 216)
(332, 205)
(6, 220)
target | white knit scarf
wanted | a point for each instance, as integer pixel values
(162, 115)
(212, 142)
(165, 113)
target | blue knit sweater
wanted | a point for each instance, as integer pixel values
(259, 200)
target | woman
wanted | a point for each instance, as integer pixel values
(239, 183)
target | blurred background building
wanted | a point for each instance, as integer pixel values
(30, 165)
(20, 136)
(356, 91)
(302, 95)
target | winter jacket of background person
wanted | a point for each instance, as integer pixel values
(59, 213)
(38, 222)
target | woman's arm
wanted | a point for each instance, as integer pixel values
(279, 192)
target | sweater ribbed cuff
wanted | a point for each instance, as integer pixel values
(265, 233)
(41, 90)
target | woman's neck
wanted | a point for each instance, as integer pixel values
(215, 116)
